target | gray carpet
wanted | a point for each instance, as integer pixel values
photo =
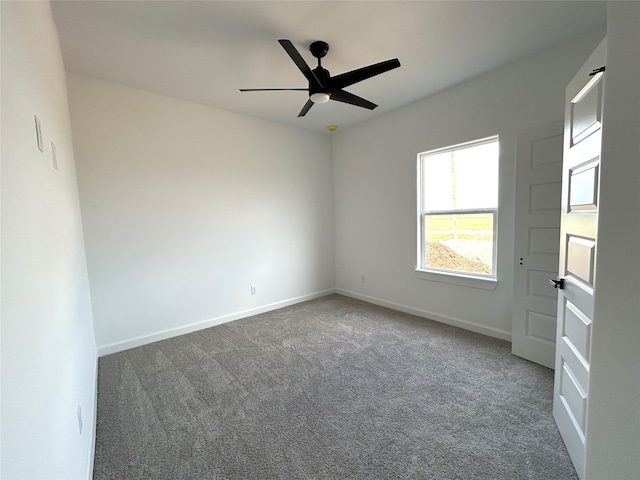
(333, 388)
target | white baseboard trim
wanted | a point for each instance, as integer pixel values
(94, 421)
(174, 332)
(456, 322)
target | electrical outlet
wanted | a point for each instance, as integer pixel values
(254, 289)
(80, 419)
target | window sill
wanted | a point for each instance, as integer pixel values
(460, 280)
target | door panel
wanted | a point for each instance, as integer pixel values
(580, 258)
(574, 397)
(544, 196)
(538, 189)
(583, 183)
(578, 250)
(544, 241)
(541, 326)
(577, 330)
(586, 110)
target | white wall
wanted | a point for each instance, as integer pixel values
(613, 421)
(184, 207)
(375, 185)
(48, 346)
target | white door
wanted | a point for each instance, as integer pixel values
(537, 239)
(578, 231)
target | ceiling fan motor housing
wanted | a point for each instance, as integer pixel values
(319, 49)
(324, 77)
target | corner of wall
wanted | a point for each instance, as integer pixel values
(94, 424)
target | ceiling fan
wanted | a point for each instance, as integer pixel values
(322, 86)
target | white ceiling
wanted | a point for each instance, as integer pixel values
(203, 51)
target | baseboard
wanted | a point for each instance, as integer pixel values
(155, 337)
(174, 332)
(456, 322)
(94, 422)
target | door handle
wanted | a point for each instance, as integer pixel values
(557, 283)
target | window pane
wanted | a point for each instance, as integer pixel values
(463, 243)
(437, 182)
(465, 178)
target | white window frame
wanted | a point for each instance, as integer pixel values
(487, 281)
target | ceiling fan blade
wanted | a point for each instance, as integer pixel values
(355, 76)
(300, 63)
(272, 89)
(346, 97)
(306, 108)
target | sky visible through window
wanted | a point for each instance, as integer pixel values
(473, 169)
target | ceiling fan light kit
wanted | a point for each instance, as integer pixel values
(320, 97)
(322, 86)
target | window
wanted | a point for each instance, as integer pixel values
(458, 209)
